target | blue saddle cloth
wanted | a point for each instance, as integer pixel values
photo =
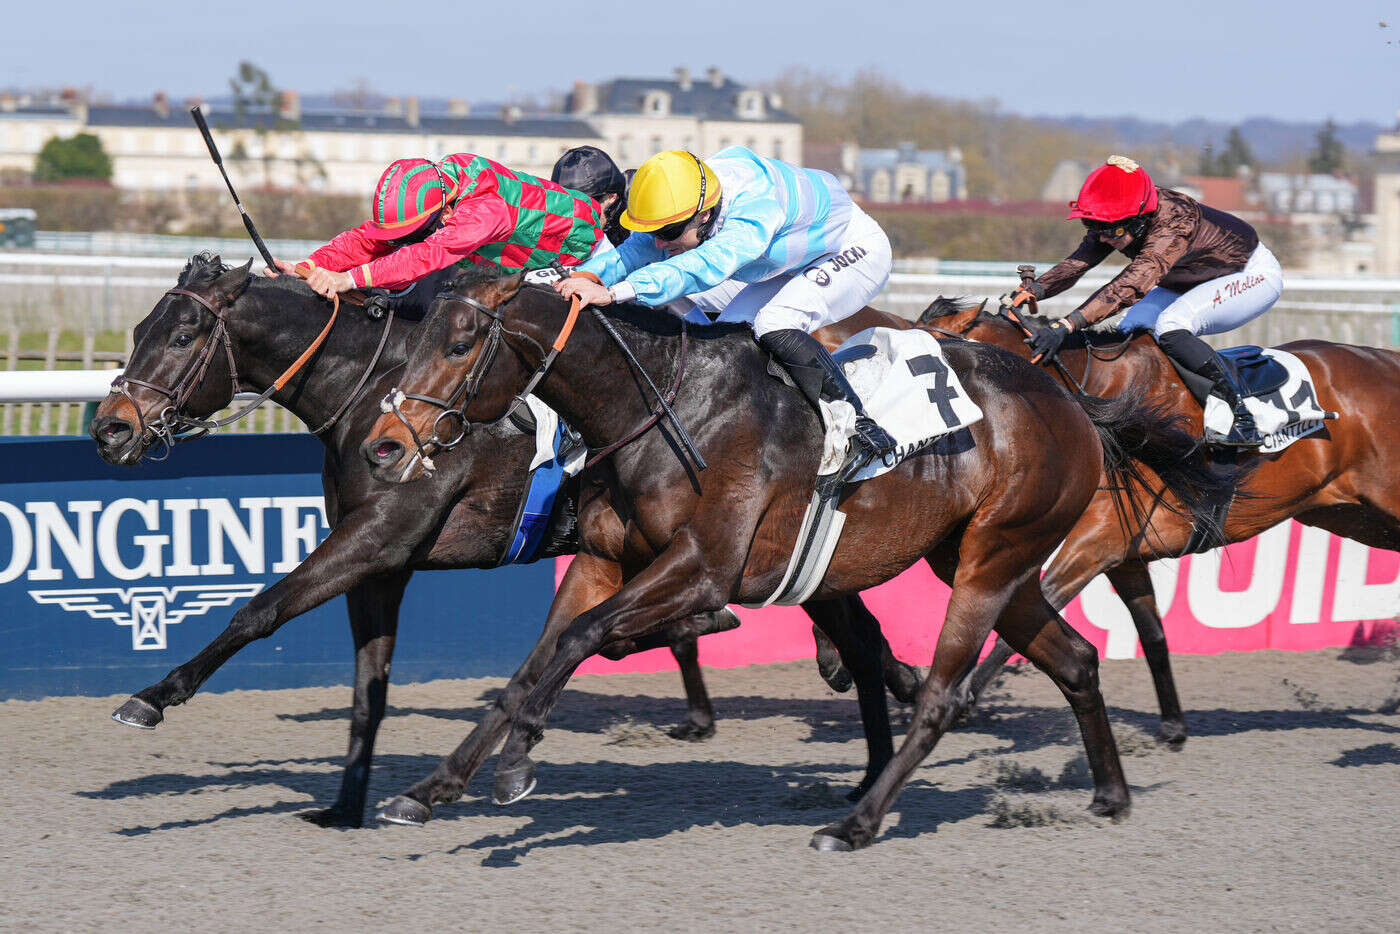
(1258, 375)
(537, 505)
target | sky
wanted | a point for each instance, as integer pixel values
(1222, 60)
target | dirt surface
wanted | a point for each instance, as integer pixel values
(1279, 814)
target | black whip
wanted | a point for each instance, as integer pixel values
(218, 160)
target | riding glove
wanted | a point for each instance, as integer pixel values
(1046, 339)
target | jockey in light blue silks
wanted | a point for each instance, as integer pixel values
(779, 247)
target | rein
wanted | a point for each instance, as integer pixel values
(173, 426)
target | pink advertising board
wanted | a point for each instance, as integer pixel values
(1292, 587)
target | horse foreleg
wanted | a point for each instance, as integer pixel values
(676, 584)
(1134, 585)
(353, 551)
(587, 582)
(859, 643)
(1035, 630)
(973, 607)
(374, 620)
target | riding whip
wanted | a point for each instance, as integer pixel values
(218, 160)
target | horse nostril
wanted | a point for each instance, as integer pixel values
(114, 432)
(385, 448)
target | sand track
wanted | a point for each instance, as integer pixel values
(1280, 813)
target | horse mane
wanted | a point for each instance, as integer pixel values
(201, 270)
(945, 307)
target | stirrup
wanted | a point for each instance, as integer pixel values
(1243, 432)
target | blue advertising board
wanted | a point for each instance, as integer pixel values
(111, 576)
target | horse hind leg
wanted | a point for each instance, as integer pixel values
(1134, 587)
(901, 679)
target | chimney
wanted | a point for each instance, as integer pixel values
(9, 103)
(584, 98)
(160, 103)
(683, 78)
(76, 103)
(393, 106)
(510, 113)
(193, 102)
(458, 107)
(289, 106)
(410, 113)
(715, 77)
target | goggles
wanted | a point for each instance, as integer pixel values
(1132, 226)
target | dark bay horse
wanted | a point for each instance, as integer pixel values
(1341, 479)
(381, 533)
(985, 506)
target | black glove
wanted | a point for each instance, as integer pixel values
(1046, 339)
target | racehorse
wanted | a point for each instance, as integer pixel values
(462, 518)
(1340, 479)
(984, 506)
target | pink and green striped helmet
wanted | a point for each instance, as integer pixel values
(409, 193)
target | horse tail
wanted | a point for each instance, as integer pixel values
(1134, 434)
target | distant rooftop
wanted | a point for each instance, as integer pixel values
(715, 96)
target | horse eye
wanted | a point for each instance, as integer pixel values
(184, 340)
(460, 349)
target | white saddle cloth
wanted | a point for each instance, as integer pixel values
(1282, 416)
(907, 387)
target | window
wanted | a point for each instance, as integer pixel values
(657, 145)
(624, 148)
(777, 147)
(534, 155)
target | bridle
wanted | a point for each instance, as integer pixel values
(173, 426)
(455, 405)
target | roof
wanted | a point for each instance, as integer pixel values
(1283, 181)
(701, 99)
(345, 121)
(868, 160)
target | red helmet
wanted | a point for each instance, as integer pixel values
(409, 193)
(1116, 190)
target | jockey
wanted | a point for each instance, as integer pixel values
(1193, 270)
(590, 170)
(429, 216)
(790, 249)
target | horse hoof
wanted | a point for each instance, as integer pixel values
(838, 679)
(136, 712)
(405, 812)
(692, 732)
(1110, 806)
(333, 817)
(828, 844)
(1172, 733)
(903, 682)
(513, 783)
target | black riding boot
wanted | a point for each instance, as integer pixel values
(818, 376)
(1199, 357)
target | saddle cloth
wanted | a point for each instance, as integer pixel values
(1283, 414)
(907, 387)
(559, 455)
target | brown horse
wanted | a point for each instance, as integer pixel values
(985, 506)
(1340, 479)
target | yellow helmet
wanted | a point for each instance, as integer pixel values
(669, 187)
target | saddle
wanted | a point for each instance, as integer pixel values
(1255, 373)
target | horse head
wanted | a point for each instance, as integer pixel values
(181, 364)
(456, 376)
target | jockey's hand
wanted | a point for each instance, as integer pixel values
(1046, 339)
(283, 268)
(585, 290)
(1031, 290)
(329, 284)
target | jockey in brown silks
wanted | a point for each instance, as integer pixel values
(1192, 270)
(427, 217)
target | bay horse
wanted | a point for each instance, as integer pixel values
(381, 533)
(1341, 479)
(984, 506)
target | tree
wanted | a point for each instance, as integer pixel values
(1330, 155)
(258, 102)
(78, 156)
(1228, 162)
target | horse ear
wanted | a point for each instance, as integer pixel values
(231, 284)
(982, 307)
(503, 289)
